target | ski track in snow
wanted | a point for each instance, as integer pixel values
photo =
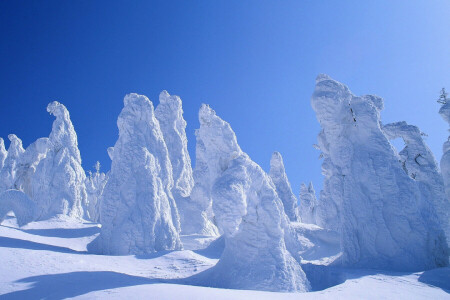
(48, 259)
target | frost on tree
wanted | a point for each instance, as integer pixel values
(385, 220)
(27, 165)
(8, 172)
(250, 214)
(95, 184)
(137, 210)
(419, 163)
(58, 183)
(169, 113)
(3, 153)
(283, 187)
(308, 203)
(17, 202)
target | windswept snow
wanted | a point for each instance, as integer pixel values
(283, 187)
(138, 213)
(385, 220)
(250, 213)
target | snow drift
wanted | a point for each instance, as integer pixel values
(249, 212)
(138, 213)
(385, 220)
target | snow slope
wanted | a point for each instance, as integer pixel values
(47, 259)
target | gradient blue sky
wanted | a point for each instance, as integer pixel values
(254, 62)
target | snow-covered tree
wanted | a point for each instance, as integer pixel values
(283, 187)
(17, 202)
(58, 183)
(308, 203)
(385, 219)
(8, 172)
(249, 212)
(95, 184)
(138, 213)
(3, 153)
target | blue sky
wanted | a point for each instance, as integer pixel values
(254, 62)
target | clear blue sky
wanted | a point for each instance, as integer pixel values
(254, 62)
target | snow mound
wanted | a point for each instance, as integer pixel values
(308, 203)
(58, 182)
(18, 202)
(283, 187)
(138, 213)
(249, 212)
(385, 219)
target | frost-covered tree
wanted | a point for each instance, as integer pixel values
(17, 202)
(283, 187)
(249, 213)
(27, 164)
(419, 163)
(58, 183)
(3, 153)
(308, 203)
(8, 172)
(385, 219)
(138, 213)
(95, 184)
(193, 216)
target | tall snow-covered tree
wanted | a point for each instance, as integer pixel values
(138, 213)
(8, 172)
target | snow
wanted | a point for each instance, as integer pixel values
(3, 153)
(283, 187)
(385, 220)
(95, 184)
(47, 259)
(58, 182)
(137, 211)
(445, 168)
(8, 172)
(308, 204)
(17, 202)
(248, 210)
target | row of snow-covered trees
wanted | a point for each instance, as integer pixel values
(390, 208)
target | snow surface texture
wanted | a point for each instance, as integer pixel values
(419, 162)
(308, 204)
(8, 172)
(385, 220)
(58, 182)
(193, 216)
(16, 201)
(249, 212)
(283, 187)
(138, 213)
